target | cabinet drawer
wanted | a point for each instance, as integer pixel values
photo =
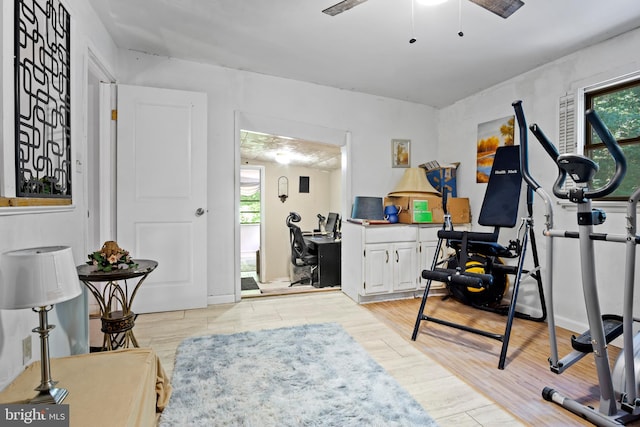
(390, 233)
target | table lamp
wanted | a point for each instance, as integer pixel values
(38, 278)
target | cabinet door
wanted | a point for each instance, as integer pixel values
(404, 266)
(426, 252)
(377, 268)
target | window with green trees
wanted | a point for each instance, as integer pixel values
(619, 108)
(250, 208)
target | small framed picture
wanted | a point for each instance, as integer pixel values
(401, 153)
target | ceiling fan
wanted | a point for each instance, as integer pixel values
(502, 8)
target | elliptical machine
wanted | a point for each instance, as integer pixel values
(619, 403)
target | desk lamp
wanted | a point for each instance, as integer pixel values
(38, 278)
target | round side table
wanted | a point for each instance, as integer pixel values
(115, 300)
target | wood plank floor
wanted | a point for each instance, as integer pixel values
(474, 358)
(448, 399)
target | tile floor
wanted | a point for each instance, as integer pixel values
(445, 397)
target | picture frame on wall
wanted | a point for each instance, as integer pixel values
(400, 153)
(492, 135)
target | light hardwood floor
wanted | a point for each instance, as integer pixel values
(446, 397)
(474, 358)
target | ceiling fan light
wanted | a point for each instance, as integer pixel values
(283, 158)
(431, 2)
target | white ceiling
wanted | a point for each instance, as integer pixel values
(367, 49)
(259, 147)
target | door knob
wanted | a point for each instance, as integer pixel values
(199, 212)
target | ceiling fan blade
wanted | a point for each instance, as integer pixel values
(502, 8)
(342, 6)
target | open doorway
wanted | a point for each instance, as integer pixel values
(309, 175)
(251, 207)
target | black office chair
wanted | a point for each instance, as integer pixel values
(301, 255)
(476, 274)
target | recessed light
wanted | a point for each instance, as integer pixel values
(283, 158)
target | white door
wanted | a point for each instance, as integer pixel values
(161, 193)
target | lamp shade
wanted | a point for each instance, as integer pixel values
(414, 181)
(37, 277)
(367, 208)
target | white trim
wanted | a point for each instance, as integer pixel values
(221, 299)
(635, 75)
(105, 168)
(261, 171)
(581, 92)
(20, 210)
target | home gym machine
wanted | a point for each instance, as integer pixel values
(476, 274)
(619, 403)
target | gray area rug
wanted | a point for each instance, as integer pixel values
(310, 375)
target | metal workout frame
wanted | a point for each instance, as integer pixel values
(486, 244)
(619, 403)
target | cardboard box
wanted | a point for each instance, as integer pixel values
(459, 210)
(417, 209)
(442, 178)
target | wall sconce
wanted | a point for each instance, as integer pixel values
(283, 188)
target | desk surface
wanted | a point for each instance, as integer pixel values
(321, 239)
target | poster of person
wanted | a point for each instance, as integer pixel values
(492, 135)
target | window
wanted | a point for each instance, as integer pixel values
(618, 106)
(250, 208)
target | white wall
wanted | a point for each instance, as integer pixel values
(66, 227)
(277, 249)
(373, 122)
(540, 90)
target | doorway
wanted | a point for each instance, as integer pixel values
(328, 194)
(251, 230)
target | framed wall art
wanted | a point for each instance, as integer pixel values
(491, 135)
(401, 153)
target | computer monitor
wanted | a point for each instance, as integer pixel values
(332, 222)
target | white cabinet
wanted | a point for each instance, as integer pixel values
(389, 267)
(427, 244)
(426, 251)
(382, 262)
(403, 266)
(377, 269)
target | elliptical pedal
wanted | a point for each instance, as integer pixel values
(612, 329)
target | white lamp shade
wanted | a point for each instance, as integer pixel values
(37, 277)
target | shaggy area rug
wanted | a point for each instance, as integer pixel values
(310, 375)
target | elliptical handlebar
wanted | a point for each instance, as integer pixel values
(609, 142)
(552, 151)
(614, 150)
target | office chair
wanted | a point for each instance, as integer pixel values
(476, 274)
(301, 256)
